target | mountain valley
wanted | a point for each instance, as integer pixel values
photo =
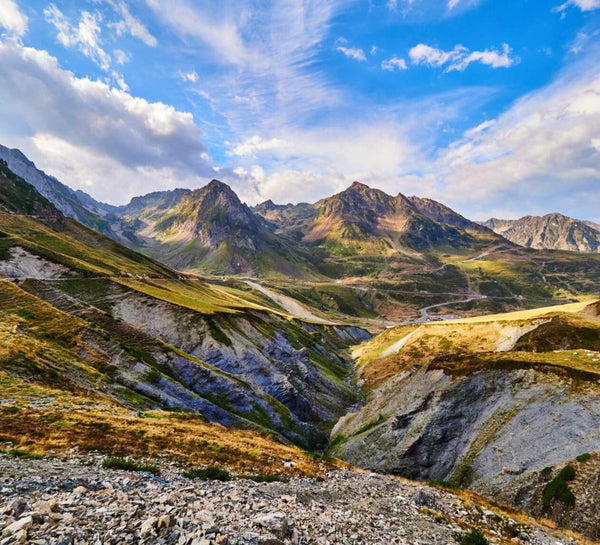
(282, 339)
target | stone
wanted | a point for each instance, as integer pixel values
(276, 523)
(148, 526)
(80, 490)
(21, 524)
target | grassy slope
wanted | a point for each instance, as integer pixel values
(554, 337)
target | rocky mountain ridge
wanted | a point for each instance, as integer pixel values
(550, 232)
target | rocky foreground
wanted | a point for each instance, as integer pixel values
(76, 501)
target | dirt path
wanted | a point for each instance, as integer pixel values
(289, 304)
(425, 311)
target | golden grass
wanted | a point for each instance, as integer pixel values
(569, 308)
(196, 295)
(42, 421)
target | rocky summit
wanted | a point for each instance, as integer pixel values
(72, 501)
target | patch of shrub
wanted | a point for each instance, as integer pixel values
(558, 489)
(210, 473)
(474, 537)
(584, 457)
(444, 484)
(129, 465)
(26, 313)
(153, 376)
(546, 473)
(24, 454)
(267, 478)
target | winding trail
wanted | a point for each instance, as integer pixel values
(289, 304)
(425, 311)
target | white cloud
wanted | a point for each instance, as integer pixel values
(460, 57)
(542, 154)
(583, 5)
(130, 24)
(394, 63)
(190, 77)
(92, 136)
(11, 18)
(121, 57)
(251, 146)
(352, 52)
(85, 35)
(374, 50)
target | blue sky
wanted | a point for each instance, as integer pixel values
(491, 107)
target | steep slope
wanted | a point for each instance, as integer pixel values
(482, 403)
(209, 229)
(550, 232)
(18, 197)
(83, 313)
(74, 204)
(361, 213)
(442, 214)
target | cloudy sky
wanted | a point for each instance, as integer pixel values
(491, 107)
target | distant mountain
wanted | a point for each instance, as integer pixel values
(206, 229)
(361, 213)
(74, 204)
(19, 197)
(442, 214)
(549, 232)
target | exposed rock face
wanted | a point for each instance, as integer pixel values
(550, 232)
(442, 214)
(236, 369)
(361, 212)
(74, 204)
(478, 430)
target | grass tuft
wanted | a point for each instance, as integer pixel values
(129, 465)
(211, 473)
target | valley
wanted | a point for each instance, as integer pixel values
(407, 341)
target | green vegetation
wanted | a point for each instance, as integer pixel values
(211, 473)
(584, 457)
(474, 537)
(129, 465)
(371, 425)
(444, 484)
(558, 490)
(266, 478)
(23, 454)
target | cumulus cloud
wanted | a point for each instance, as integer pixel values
(394, 63)
(11, 18)
(109, 138)
(460, 57)
(352, 52)
(85, 35)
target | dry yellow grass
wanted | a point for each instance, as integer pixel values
(42, 420)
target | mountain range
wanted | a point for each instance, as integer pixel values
(102, 346)
(359, 253)
(551, 232)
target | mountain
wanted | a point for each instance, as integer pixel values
(207, 229)
(497, 404)
(83, 314)
(74, 204)
(361, 253)
(19, 197)
(440, 213)
(550, 232)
